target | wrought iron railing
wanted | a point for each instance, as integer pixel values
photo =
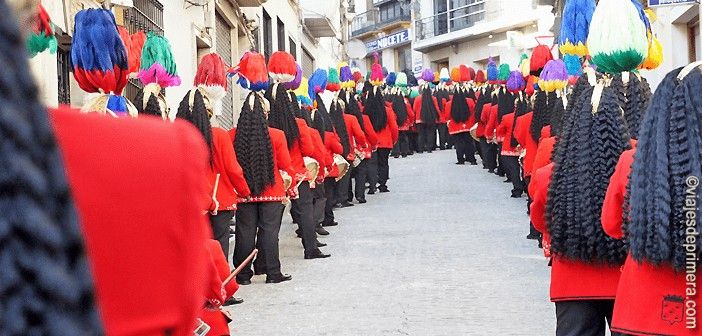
(146, 16)
(63, 63)
(378, 18)
(455, 19)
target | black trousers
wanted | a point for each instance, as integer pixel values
(303, 208)
(220, 229)
(402, 146)
(444, 139)
(361, 176)
(262, 220)
(414, 146)
(427, 137)
(511, 168)
(383, 166)
(319, 200)
(500, 165)
(372, 171)
(342, 188)
(583, 317)
(476, 145)
(330, 186)
(490, 154)
(465, 150)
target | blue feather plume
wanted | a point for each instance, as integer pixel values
(492, 71)
(96, 42)
(317, 83)
(118, 105)
(573, 65)
(575, 22)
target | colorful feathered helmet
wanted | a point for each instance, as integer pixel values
(346, 76)
(524, 65)
(427, 76)
(100, 64)
(480, 77)
(295, 83)
(540, 55)
(504, 73)
(444, 75)
(455, 75)
(211, 79)
(390, 79)
(333, 82)
(515, 82)
(466, 73)
(531, 83)
(43, 35)
(618, 38)
(302, 94)
(252, 71)
(317, 83)
(357, 77)
(281, 67)
(492, 72)
(376, 73)
(575, 26)
(554, 76)
(574, 68)
(401, 80)
(157, 62)
(134, 44)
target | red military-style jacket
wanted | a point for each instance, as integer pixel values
(281, 161)
(371, 135)
(418, 108)
(570, 280)
(217, 293)
(357, 139)
(523, 136)
(482, 122)
(304, 147)
(333, 146)
(460, 127)
(231, 178)
(321, 152)
(140, 216)
(409, 122)
(442, 111)
(544, 152)
(504, 131)
(387, 137)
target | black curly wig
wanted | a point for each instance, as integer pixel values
(428, 111)
(152, 106)
(282, 115)
(638, 96)
(521, 107)
(399, 107)
(353, 108)
(336, 118)
(505, 104)
(375, 109)
(484, 98)
(459, 107)
(198, 116)
(668, 156)
(298, 111)
(253, 147)
(540, 117)
(584, 160)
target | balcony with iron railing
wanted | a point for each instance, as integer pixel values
(378, 19)
(455, 19)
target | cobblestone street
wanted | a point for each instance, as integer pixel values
(444, 253)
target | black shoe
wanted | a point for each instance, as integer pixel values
(282, 278)
(473, 163)
(371, 191)
(321, 231)
(316, 255)
(320, 244)
(533, 236)
(332, 223)
(361, 200)
(383, 189)
(491, 171)
(505, 181)
(396, 156)
(345, 205)
(540, 244)
(259, 272)
(233, 301)
(243, 282)
(516, 195)
(460, 163)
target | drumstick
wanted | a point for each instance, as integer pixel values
(214, 195)
(240, 267)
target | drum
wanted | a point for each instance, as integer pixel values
(358, 156)
(342, 165)
(474, 132)
(312, 167)
(287, 179)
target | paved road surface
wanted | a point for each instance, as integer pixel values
(443, 253)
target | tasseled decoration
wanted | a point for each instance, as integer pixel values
(456, 75)
(530, 85)
(252, 71)
(281, 67)
(157, 62)
(100, 64)
(401, 80)
(390, 79)
(357, 77)
(333, 82)
(504, 73)
(525, 65)
(134, 45)
(492, 72)
(554, 76)
(444, 75)
(43, 36)
(466, 73)
(295, 83)
(346, 76)
(480, 77)
(302, 93)
(211, 78)
(515, 82)
(317, 83)
(376, 75)
(427, 75)
(574, 68)
(655, 55)
(617, 40)
(575, 25)
(539, 56)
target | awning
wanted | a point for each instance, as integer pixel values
(319, 25)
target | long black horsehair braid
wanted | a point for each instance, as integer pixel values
(638, 96)
(253, 145)
(336, 116)
(521, 107)
(557, 112)
(45, 283)
(375, 109)
(586, 160)
(459, 107)
(319, 123)
(557, 124)
(483, 99)
(399, 107)
(354, 109)
(538, 120)
(299, 112)
(667, 158)
(282, 115)
(198, 116)
(151, 108)
(505, 104)
(428, 110)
